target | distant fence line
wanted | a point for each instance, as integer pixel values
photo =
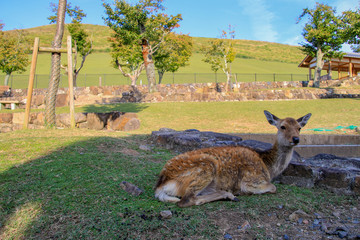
(87, 80)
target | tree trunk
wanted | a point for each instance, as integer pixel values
(319, 66)
(55, 67)
(330, 71)
(133, 79)
(7, 77)
(228, 86)
(149, 65)
(161, 75)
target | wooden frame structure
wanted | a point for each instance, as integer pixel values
(348, 64)
(37, 50)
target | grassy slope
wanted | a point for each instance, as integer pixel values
(253, 56)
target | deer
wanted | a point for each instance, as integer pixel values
(219, 173)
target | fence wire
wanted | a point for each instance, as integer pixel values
(87, 80)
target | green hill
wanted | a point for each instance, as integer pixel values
(246, 49)
(252, 57)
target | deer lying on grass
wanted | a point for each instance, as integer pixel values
(211, 174)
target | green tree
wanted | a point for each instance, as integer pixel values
(14, 50)
(81, 41)
(221, 53)
(138, 31)
(323, 34)
(351, 20)
(173, 53)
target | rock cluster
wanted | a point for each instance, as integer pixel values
(241, 91)
(116, 121)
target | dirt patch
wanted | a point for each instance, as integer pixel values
(280, 223)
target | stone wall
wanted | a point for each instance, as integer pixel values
(196, 92)
(115, 121)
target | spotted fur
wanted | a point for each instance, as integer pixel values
(211, 174)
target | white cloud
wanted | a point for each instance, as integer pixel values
(344, 5)
(294, 41)
(260, 19)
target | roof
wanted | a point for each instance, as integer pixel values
(336, 63)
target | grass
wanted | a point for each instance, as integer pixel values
(230, 117)
(235, 117)
(64, 184)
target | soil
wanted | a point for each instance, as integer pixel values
(280, 223)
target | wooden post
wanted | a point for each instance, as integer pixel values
(71, 83)
(350, 68)
(31, 82)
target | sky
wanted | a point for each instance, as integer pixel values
(262, 20)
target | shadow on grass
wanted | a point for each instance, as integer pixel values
(74, 193)
(120, 107)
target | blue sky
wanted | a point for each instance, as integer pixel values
(264, 20)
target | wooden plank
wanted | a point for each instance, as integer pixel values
(53, 50)
(31, 82)
(71, 83)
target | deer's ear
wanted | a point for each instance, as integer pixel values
(272, 119)
(303, 120)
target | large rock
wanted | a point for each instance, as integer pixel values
(63, 119)
(62, 100)
(95, 121)
(123, 121)
(6, 117)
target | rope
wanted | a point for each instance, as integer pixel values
(50, 117)
(52, 90)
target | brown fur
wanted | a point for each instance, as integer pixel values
(210, 174)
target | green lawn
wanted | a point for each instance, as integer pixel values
(65, 183)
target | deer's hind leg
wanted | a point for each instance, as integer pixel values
(205, 195)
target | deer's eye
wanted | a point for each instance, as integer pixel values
(299, 129)
(283, 127)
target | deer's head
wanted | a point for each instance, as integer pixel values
(288, 128)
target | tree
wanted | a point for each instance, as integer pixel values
(324, 35)
(351, 20)
(14, 50)
(55, 67)
(138, 30)
(221, 53)
(173, 53)
(81, 41)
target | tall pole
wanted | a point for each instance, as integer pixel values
(31, 82)
(71, 82)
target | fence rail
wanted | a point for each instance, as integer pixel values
(86, 80)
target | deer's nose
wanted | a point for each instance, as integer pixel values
(296, 140)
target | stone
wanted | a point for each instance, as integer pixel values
(6, 117)
(18, 118)
(39, 119)
(333, 178)
(166, 214)
(5, 127)
(356, 185)
(145, 147)
(123, 122)
(245, 226)
(62, 100)
(37, 100)
(64, 119)
(299, 214)
(94, 121)
(131, 188)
